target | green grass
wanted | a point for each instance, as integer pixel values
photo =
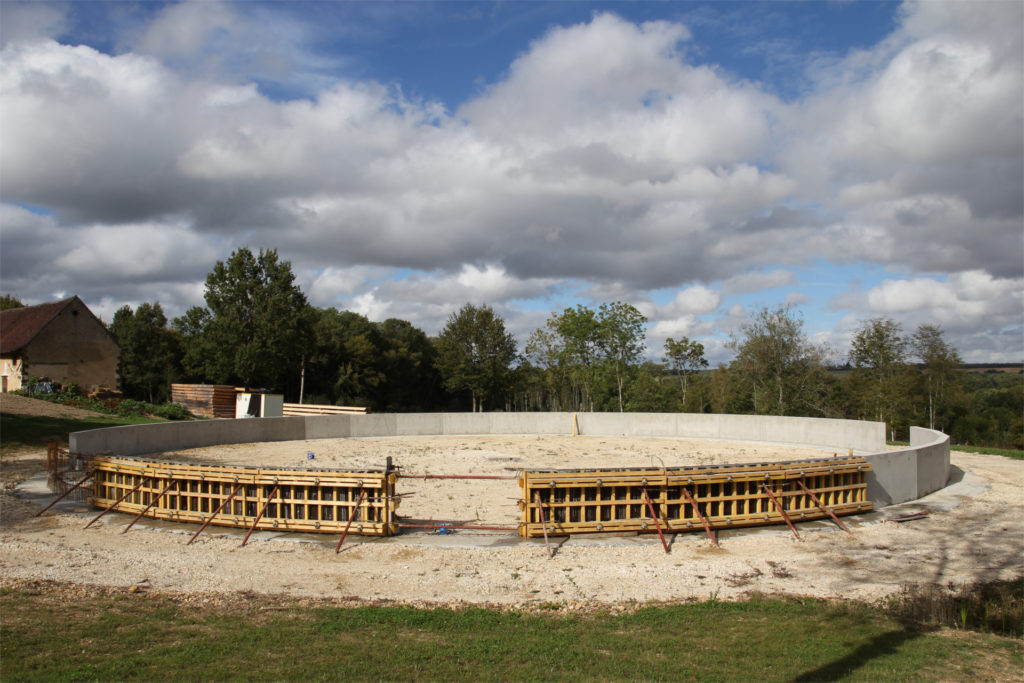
(984, 450)
(120, 636)
(19, 431)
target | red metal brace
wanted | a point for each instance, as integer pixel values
(154, 502)
(650, 506)
(117, 502)
(778, 506)
(543, 522)
(703, 519)
(215, 513)
(260, 516)
(65, 494)
(824, 507)
(351, 516)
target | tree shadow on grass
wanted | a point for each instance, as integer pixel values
(881, 645)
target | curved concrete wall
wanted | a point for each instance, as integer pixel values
(900, 475)
(909, 473)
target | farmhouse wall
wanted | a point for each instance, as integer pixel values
(74, 347)
(10, 374)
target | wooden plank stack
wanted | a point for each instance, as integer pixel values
(206, 400)
(726, 496)
(291, 409)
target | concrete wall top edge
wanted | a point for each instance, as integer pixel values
(830, 433)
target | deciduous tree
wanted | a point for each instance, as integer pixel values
(783, 367)
(150, 352)
(258, 324)
(7, 301)
(879, 354)
(475, 353)
(620, 339)
(685, 357)
(940, 361)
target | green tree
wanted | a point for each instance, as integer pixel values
(550, 377)
(580, 332)
(258, 326)
(648, 393)
(150, 352)
(726, 391)
(879, 354)
(7, 302)
(621, 340)
(475, 353)
(409, 363)
(360, 373)
(685, 357)
(940, 361)
(783, 369)
(197, 349)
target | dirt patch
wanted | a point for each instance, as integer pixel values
(24, 405)
(982, 538)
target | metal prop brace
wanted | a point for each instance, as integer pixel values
(260, 516)
(65, 494)
(167, 488)
(703, 519)
(824, 507)
(117, 502)
(778, 506)
(650, 506)
(215, 513)
(355, 511)
(543, 522)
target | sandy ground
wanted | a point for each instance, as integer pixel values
(484, 502)
(980, 538)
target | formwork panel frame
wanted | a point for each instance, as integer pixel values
(683, 499)
(307, 501)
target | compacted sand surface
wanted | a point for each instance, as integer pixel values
(981, 538)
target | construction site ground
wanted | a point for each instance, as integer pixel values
(974, 531)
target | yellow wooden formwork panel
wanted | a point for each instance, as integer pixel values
(314, 501)
(591, 501)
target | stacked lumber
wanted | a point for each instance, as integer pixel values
(205, 400)
(291, 409)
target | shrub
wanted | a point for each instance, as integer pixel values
(173, 411)
(992, 606)
(129, 406)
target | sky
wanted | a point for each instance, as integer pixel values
(700, 161)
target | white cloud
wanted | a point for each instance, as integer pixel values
(758, 280)
(602, 159)
(963, 304)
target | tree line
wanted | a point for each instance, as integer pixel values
(258, 330)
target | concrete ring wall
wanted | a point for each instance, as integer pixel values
(897, 476)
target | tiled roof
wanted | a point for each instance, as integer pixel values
(18, 326)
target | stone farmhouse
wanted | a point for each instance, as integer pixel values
(62, 341)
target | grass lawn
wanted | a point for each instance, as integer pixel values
(115, 635)
(984, 450)
(20, 431)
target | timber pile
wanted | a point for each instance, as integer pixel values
(292, 409)
(206, 400)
